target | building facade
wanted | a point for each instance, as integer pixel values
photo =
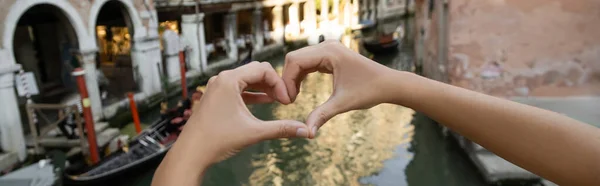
(511, 49)
(52, 37)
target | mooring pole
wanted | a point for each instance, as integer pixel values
(184, 91)
(134, 113)
(87, 114)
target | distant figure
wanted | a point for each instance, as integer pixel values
(248, 58)
(181, 113)
(103, 82)
(70, 63)
(69, 125)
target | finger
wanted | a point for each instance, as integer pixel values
(262, 88)
(211, 81)
(322, 114)
(256, 98)
(264, 74)
(282, 129)
(301, 62)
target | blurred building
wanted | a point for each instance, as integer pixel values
(215, 31)
(541, 53)
(133, 45)
(52, 37)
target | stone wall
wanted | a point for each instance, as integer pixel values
(514, 48)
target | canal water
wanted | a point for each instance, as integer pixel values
(384, 145)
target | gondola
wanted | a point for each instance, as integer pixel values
(143, 152)
(385, 44)
(380, 42)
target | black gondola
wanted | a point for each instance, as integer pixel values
(144, 151)
(384, 39)
(378, 47)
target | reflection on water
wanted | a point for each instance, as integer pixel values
(350, 146)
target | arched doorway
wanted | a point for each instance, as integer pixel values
(46, 44)
(114, 32)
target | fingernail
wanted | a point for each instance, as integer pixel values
(314, 131)
(301, 132)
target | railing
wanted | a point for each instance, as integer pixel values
(34, 110)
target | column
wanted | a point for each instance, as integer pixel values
(231, 34)
(324, 11)
(171, 47)
(347, 14)
(355, 12)
(147, 65)
(192, 30)
(202, 44)
(364, 10)
(372, 10)
(310, 17)
(277, 13)
(257, 28)
(294, 26)
(88, 60)
(11, 128)
(335, 10)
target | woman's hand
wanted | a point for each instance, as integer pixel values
(357, 80)
(222, 124)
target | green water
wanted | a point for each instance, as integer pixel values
(384, 145)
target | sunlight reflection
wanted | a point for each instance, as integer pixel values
(348, 147)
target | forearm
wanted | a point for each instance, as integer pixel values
(184, 164)
(546, 143)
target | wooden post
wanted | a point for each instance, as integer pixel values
(134, 113)
(184, 91)
(87, 114)
(75, 110)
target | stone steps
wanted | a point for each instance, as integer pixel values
(104, 135)
(492, 167)
(8, 159)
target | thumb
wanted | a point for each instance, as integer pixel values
(322, 114)
(284, 129)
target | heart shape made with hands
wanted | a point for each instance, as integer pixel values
(224, 118)
(348, 69)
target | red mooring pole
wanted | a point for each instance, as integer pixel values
(87, 114)
(134, 113)
(184, 91)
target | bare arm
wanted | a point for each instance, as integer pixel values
(551, 145)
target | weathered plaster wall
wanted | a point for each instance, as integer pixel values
(429, 45)
(522, 48)
(418, 29)
(542, 47)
